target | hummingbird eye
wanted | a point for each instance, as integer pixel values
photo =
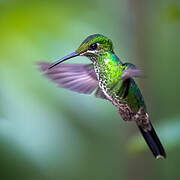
(93, 46)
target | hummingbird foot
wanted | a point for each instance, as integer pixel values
(142, 119)
(126, 113)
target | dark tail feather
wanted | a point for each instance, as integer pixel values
(153, 142)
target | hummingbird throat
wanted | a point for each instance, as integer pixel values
(108, 68)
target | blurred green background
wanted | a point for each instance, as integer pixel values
(51, 133)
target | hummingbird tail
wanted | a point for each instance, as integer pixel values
(153, 142)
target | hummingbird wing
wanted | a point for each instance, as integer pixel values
(99, 93)
(80, 78)
(131, 71)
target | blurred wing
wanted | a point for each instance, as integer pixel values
(131, 72)
(99, 94)
(76, 77)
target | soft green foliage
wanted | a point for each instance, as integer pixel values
(172, 12)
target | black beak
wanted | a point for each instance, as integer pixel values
(74, 54)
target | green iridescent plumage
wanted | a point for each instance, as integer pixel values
(110, 72)
(112, 80)
(105, 44)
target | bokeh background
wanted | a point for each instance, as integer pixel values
(51, 133)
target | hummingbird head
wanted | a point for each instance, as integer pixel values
(93, 46)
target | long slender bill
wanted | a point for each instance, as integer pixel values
(74, 54)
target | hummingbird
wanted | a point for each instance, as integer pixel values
(110, 79)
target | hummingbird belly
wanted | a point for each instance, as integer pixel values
(127, 99)
(125, 95)
(126, 110)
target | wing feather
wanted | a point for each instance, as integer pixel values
(80, 78)
(131, 72)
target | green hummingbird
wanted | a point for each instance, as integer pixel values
(111, 79)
